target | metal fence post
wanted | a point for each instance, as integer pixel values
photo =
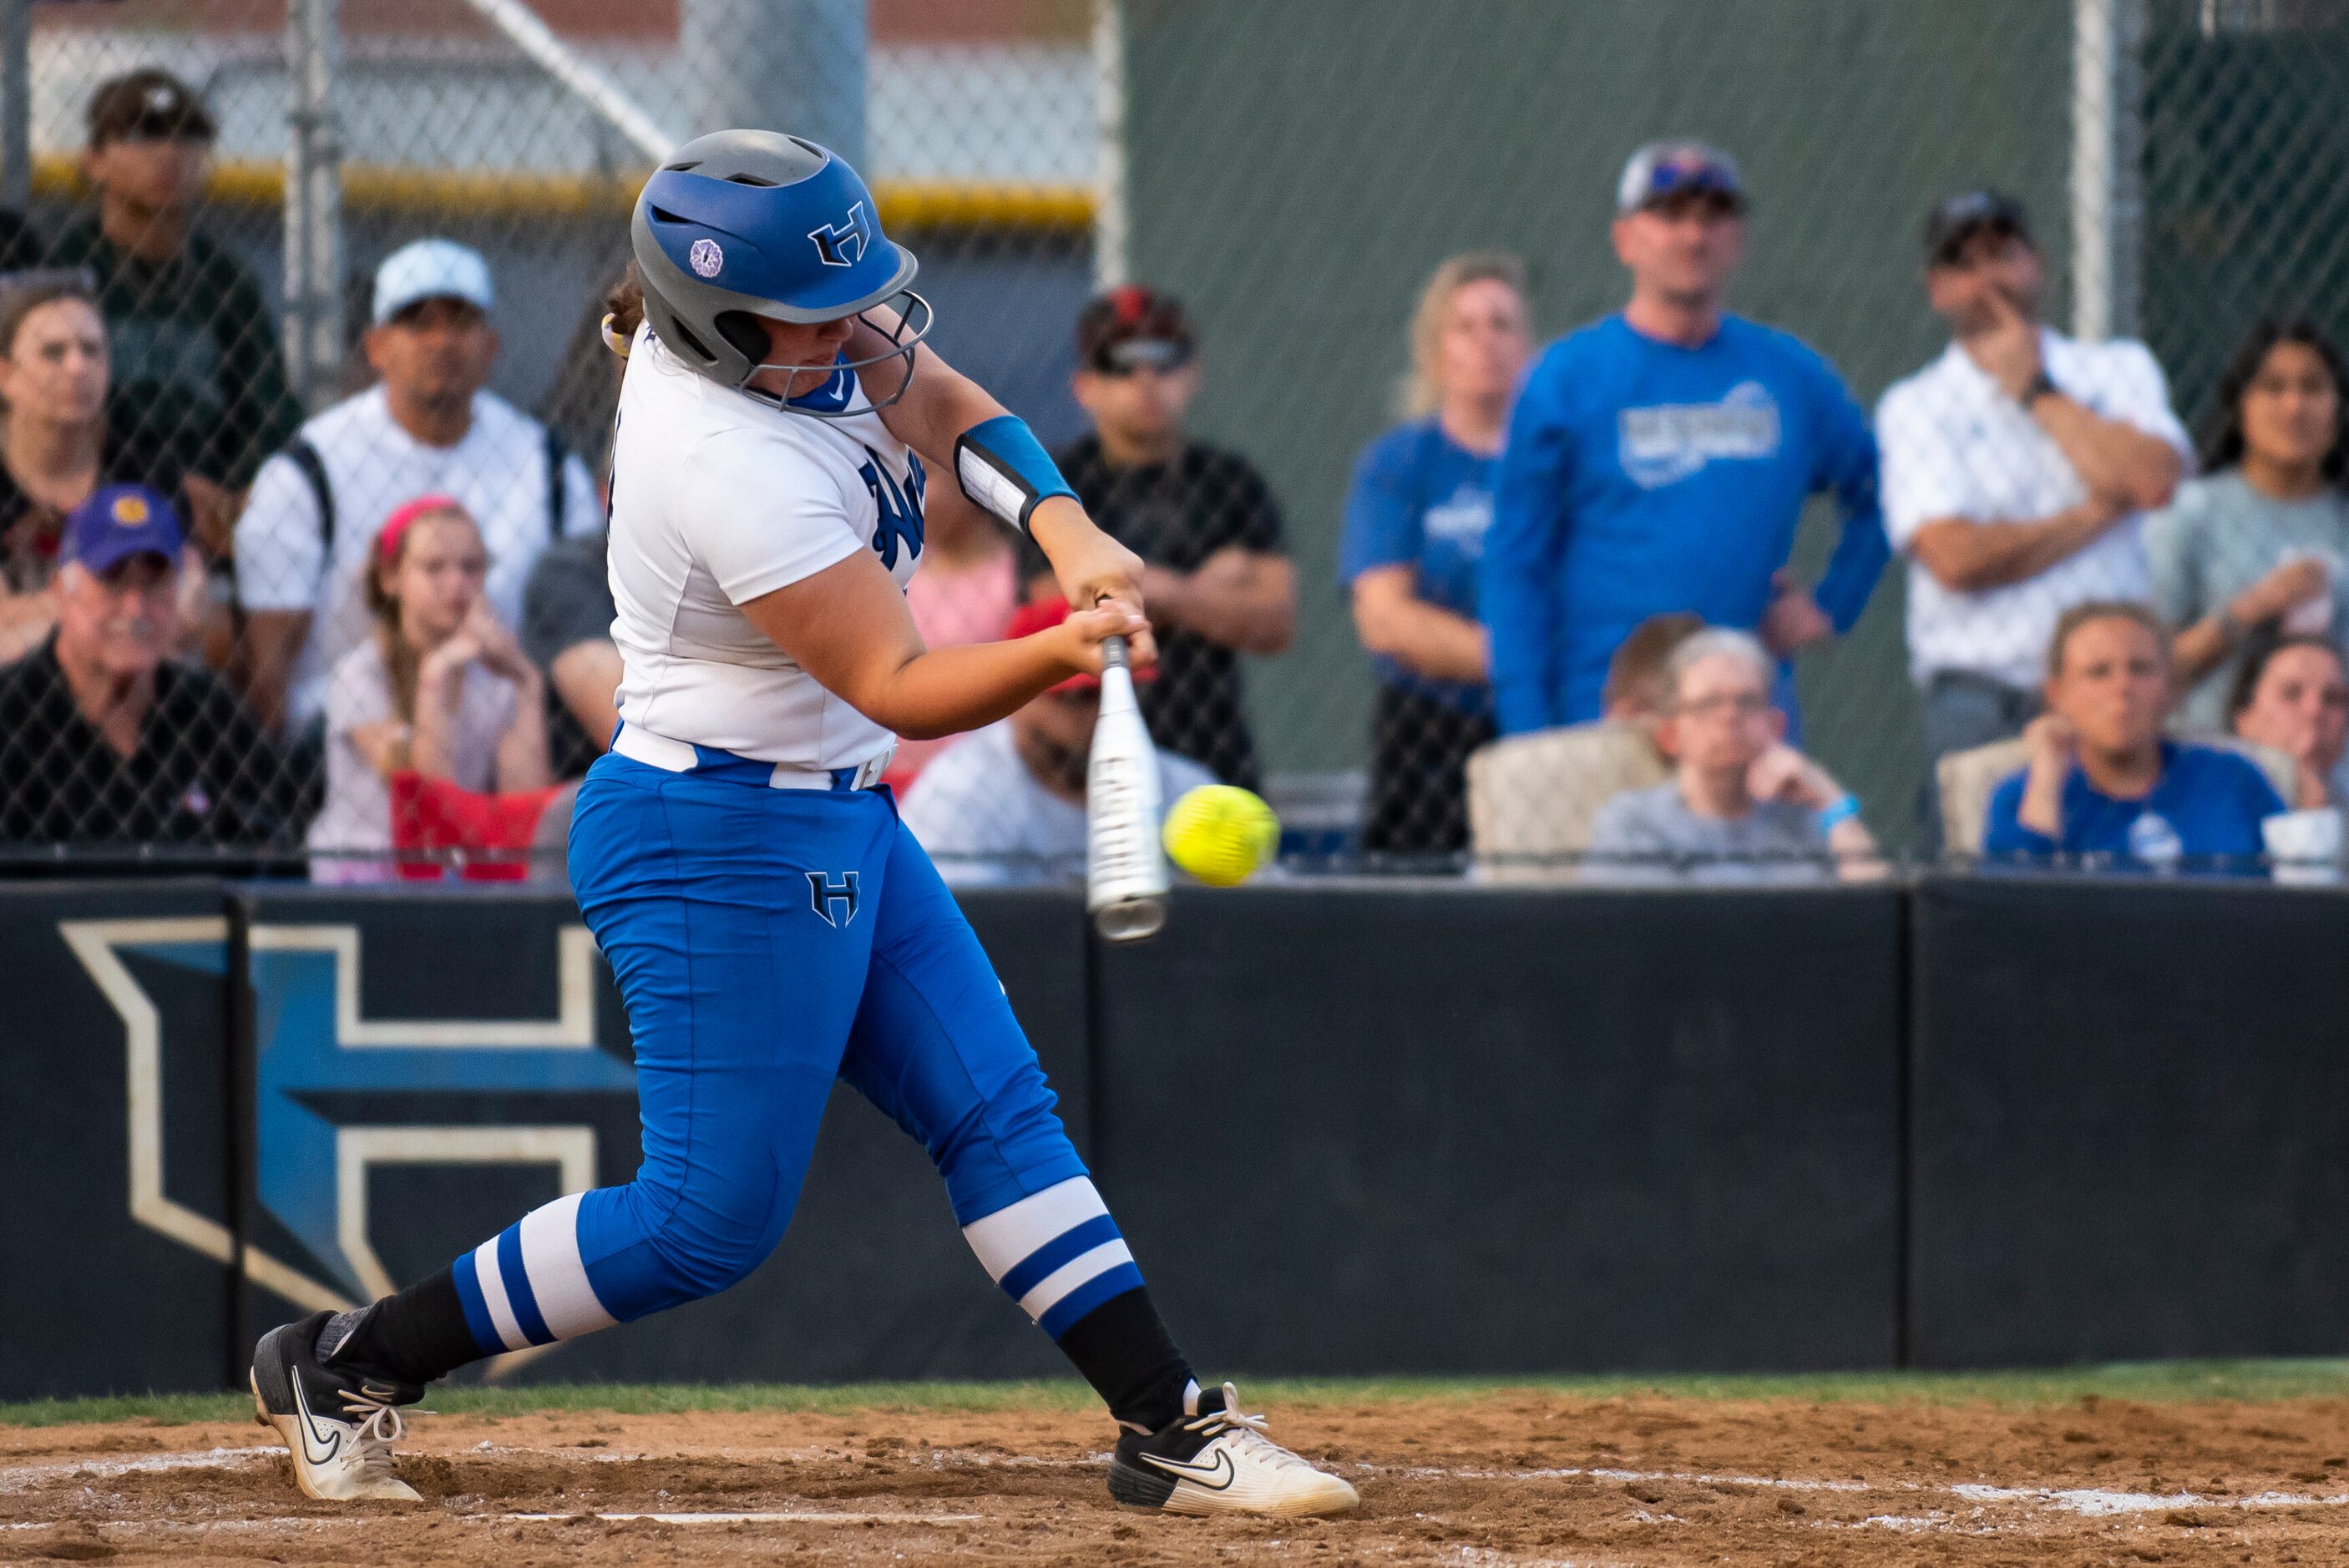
(1110, 232)
(796, 66)
(15, 103)
(2107, 186)
(314, 205)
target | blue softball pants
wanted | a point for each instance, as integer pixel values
(768, 941)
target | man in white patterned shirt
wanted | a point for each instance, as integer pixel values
(2016, 469)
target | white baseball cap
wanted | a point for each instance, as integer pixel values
(431, 269)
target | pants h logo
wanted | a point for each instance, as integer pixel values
(833, 896)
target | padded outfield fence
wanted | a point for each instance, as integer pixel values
(1973, 1122)
(1291, 173)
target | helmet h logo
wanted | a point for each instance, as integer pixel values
(828, 893)
(842, 244)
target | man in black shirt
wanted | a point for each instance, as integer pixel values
(102, 740)
(195, 350)
(1204, 521)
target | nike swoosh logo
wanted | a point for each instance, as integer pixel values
(1213, 1478)
(333, 1441)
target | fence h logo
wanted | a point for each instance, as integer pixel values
(842, 244)
(828, 893)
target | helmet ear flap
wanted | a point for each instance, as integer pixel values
(745, 334)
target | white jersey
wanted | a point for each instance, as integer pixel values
(717, 499)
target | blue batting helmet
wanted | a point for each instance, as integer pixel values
(744, 224)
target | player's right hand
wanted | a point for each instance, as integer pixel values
(1093, 569)
(1084, 631)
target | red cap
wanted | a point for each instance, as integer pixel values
(1042, 615)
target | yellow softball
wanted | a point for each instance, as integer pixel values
(1221, 834)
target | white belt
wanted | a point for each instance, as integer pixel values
(678, 757)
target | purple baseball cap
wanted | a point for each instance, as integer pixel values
(117, 522)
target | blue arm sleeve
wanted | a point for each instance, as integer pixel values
(1517, 584)
(1850, 469)
(1381, 527)
(2005, 834)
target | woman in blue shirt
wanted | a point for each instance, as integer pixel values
(1415, 522)
(2104, 782)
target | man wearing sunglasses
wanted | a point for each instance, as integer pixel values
(1203, 520)
(1659, 460)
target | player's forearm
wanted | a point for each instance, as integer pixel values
(946, 691)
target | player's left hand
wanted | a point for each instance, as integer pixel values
(1094, 569)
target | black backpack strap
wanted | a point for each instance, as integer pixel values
(558, 494)
(314, 468)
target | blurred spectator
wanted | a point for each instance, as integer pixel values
(2261, 540)
(2016, 467)
(196, 357)
(566, 630)
(103, 739)
(1533, 798)
(1414, 531)
(439, 689)
(428, 427)
(1743, 806)
(966, 589)
(2291, 693)
(1006, 803)
(1659, 460)
(58, 449)
(1203, 520)
(2103, 779)
(1638, 689)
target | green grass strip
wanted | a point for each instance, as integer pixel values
(2150, 1381)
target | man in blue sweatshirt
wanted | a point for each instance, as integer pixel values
(1659, 460)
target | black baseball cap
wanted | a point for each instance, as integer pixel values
(1954, 220)
(148, 105)
(1132, 325)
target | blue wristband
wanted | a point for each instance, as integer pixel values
(1842, 812)
(1002, 465)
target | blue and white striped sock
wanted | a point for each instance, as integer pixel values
(528, 1285)
(1057, 1252)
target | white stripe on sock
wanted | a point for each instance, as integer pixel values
(493, 1294)
(1003, 1239)
(1071, 1275)
(558, 1276)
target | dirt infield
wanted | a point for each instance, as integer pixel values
(1497, 1479)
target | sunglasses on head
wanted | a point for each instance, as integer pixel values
(1699, 181)
(1129, 354)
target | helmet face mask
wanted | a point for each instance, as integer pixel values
(744, 224)
(914, 320)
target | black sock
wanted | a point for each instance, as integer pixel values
(415, 1337)
(1125, 1353)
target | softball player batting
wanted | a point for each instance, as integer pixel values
(771, 924)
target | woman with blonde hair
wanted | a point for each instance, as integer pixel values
(440, 689)
(1414, 531)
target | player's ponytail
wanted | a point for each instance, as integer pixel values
(624, 311)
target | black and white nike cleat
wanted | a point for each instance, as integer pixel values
(1217, 1460)
(339, 1425)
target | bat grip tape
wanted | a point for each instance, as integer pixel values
(1002, 466)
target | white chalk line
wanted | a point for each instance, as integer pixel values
(787, 1517)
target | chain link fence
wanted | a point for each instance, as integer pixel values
(218, 295)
